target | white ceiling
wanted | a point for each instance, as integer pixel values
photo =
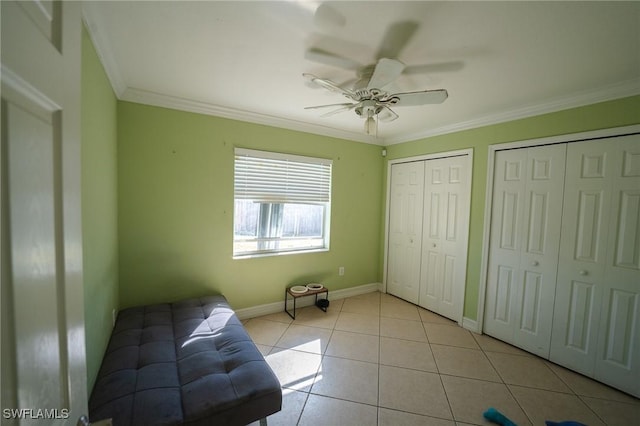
(245, 60)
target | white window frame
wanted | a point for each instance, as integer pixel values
(273, 178)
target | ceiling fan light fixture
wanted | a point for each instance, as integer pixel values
(370, 126)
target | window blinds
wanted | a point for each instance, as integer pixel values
(281, 178)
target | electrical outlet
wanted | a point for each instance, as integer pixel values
(341, 271)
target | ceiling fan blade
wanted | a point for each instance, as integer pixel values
(433, 68)
(325, 57)
(346, 107)
(328, 17)
(330, 85)
(328, 105)
(386, 115)
(420, 98)
(396, 38)
(386, 71)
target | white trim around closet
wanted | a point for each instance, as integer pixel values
(573, 137)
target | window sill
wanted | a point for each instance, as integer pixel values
(278, 253)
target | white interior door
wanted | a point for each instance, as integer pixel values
(618, 351)
(524, 245)
(597, 307)
(405, 230)
(579, 291)
(444, 235)
(43, 352)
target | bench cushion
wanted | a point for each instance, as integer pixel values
(189, 362)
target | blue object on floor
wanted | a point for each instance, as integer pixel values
(496, 416)
(567, 423)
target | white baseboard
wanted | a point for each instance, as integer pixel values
(272, 308)
(471, 325)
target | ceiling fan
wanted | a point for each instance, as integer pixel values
(368, 97)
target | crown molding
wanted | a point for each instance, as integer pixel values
(173, 102)
(122, 92)
(603, 94)
(103, 49)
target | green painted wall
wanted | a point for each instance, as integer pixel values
(99, 206)
(616, 113)
(175, 204)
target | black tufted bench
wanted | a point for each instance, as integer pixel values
(190, 362)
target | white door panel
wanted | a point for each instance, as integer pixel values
(43, 352)
(524, 245)
(618, 353)
(582, 255)
(405, 237)
(444, 240)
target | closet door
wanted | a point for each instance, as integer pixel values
(597, 308)
(581, 273)
(524, 244)
(444, 236)
(405, 230)
(618, 350)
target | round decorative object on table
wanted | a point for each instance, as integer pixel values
(298, 289)
(315, 286)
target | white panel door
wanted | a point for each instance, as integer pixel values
(586, 217)
(405, 230)
(444, 235)
(618, 351)
(43, 352)
(524, 245)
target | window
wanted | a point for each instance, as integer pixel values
(282, 203)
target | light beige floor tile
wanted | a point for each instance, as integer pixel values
(356, 346)
(306, 339)
(526, 371)
(388, 417)
(585, 386)
(265, 332)
(358, 323)
(541, 405)
(335, 305)
(428, 316)
(388, 297)
(347, 379)
(443, 334)
(373, 296)
(314, 317)
(323, 411)
(399, 309)
(464, 362)
(488, 343)
(413, 391)
(614, 413)
(278, 317)
(470, 398)
(294, 369)
(292, 404)
(402, 329)
(364, 306)
(407, 354)
(264, 350)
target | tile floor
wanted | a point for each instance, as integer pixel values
(377, 360)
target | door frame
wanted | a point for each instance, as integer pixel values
(526, 143)
(434, 156)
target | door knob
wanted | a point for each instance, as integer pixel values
(583, 272)
(535, 263)
(434, 245)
